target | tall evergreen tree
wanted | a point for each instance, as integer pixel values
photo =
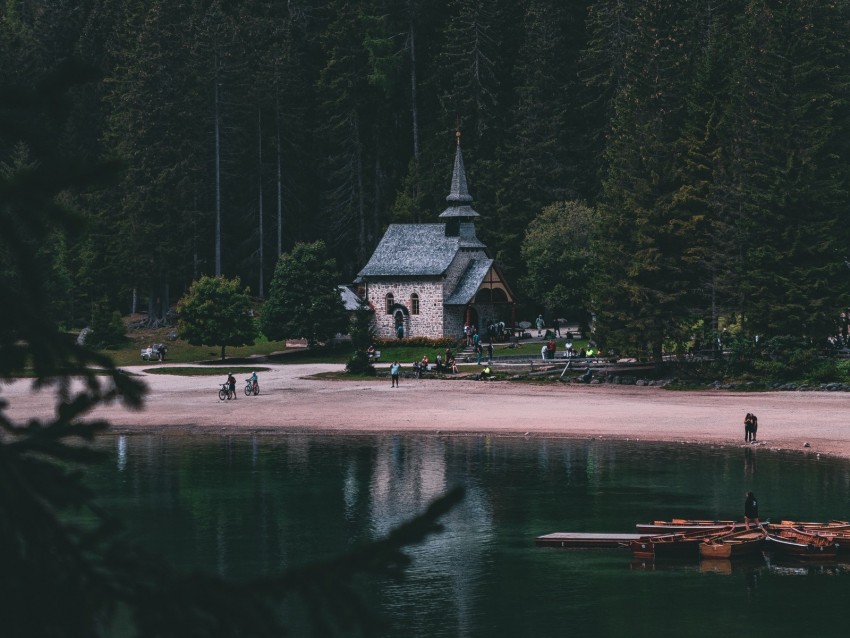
(646, 286)
(537, 161)
(788, 172)
(357, 74)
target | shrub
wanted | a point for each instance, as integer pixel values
(824, 371)
(842, 371)
(359, 364)
(440, 343)
(107, 329)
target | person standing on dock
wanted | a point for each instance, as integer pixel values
(751, 510)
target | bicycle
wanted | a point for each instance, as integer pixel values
(224, 393)
(251, 388)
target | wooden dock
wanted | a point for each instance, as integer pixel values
(586, 539)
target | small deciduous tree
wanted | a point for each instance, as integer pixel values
(556, 251)
(215, 312)
(304, 300)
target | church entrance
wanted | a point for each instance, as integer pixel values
(472, 318)
(399, 324)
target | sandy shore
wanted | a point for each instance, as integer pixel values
(291, 400)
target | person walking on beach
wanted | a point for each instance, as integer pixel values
(395, 368)
(751, 510)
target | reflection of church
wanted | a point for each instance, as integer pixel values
(429, 280)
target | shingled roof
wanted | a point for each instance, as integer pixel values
(411, 250)
(469, 282)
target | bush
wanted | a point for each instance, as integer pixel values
(824, 371)
(359, 364)
(842, 371)
(440, 343)
(107, 329)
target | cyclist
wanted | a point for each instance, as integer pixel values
(231, 383)
(254, 381)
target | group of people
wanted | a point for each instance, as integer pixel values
(541, 326)
(442, 364)
(231, 383)
(751, 426)
(550, 347)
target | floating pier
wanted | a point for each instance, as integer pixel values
(586, 539)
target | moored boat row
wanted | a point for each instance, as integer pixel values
(691, 538)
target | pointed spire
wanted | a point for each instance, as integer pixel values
(460, 191)
(459, 197)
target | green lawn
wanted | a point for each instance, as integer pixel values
(180, 351)
(201, 371)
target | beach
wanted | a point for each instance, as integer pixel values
(292, 398)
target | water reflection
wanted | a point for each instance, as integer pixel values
(247, 506)
(121, 457)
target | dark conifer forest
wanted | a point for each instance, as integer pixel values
(709, 139)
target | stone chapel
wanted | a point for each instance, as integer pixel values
(430, 280)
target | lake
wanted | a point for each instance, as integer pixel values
(252, 505)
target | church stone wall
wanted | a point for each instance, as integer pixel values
(454, 321)
(429, 321)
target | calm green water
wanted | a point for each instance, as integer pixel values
(247, 506)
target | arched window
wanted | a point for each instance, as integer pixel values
(414, 304)
(390, 303)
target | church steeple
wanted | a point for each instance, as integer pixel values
(459, 197)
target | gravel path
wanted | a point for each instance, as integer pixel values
(291, 401)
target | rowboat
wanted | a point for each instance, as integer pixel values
(685, 525)
(677, 545)
(734, 544)
(797, 543)
(812, 526)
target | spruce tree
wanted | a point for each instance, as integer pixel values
(645, 285)
(788, 174)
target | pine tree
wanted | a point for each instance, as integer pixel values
(537, 162)
(645, 286)
(788, 174)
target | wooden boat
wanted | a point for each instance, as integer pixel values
(812, 526)
(734, 544)
(685, 525)
(677, 545)
(800, 544)
(840, 536)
